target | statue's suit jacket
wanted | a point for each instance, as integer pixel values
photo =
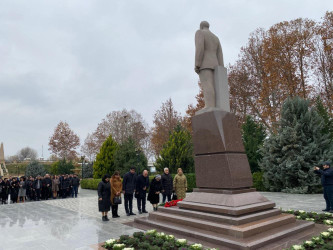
(208, 50)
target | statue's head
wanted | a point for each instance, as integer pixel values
(204, 24)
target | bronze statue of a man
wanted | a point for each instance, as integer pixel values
(208, 55)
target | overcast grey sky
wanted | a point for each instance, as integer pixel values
(78, 60)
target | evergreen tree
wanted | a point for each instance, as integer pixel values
(290, 155)
(62, 167)
(65, 167)
(177, 152)
(34, 169)
(87, 170)
(129, 155)
(54, 168)
(104, 163)
(253, 135)
(328, 121)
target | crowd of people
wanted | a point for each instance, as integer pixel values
(133, 186)
(20, 189)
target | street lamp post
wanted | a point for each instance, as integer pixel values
(82, 159)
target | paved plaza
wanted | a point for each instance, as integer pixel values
(76, 223)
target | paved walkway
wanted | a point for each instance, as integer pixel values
(76, 223)
(306, 202)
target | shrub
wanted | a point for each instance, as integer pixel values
(90, 183)
(258, 182)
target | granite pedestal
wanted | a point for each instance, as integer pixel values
(224, 211)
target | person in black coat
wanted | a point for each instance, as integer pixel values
(167, 184)
(47, 185)
(5, 185)
(28, 187)
(154, 191)
(327, 182)
(32, 193)
(37, 186)
(75, 185)
(142, 185)
(61, 179)
(14, 189)
(104, 197)
(129, 185)
(65, 187)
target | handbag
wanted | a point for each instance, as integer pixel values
(117, 200)
(174, 196)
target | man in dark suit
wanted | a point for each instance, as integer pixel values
(37, 187)
(327, 182)
(129, 186)
(142, 185)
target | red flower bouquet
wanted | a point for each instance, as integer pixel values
(172, 203)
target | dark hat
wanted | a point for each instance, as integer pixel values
(327, 163)
(134, 168)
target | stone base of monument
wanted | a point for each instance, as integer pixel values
(224, 211)
(242, 219)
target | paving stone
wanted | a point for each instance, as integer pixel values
(75, 223)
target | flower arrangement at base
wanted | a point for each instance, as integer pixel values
(321, 218)
(151, 240)
(172, 203)
(323, 241)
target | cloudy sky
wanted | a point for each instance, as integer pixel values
(78, 60)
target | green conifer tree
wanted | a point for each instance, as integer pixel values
(65, 167)
(253, 135)
(34, 169)
(328, 121)
(177, 152)
(129, 154)
(290, 155)
(104, 163)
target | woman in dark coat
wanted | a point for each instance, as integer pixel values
(104, 197)
(154, 191)
(14, 188)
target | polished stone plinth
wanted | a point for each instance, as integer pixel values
(224, 211)
(220, 159)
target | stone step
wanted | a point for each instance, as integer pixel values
(213, 239)
(228, 219)
(238, 231)
(241, 210)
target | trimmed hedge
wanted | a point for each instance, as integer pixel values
(257, 182)
(90, 183)
(93, 183)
